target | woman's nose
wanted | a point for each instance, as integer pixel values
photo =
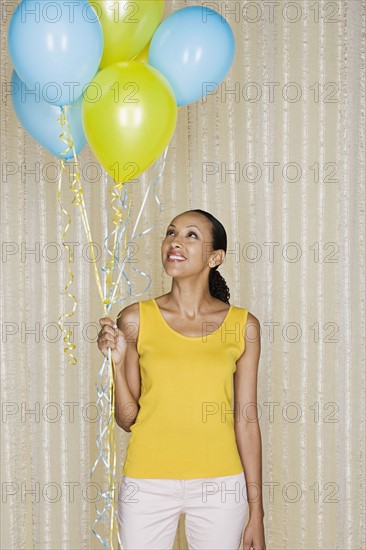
(175, 241)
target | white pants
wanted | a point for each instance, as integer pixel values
(148, 512)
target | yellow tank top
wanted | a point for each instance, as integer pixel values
(185, 425)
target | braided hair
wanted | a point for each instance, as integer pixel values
(216, 282)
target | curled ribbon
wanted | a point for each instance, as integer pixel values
(108, 364)
(69, 345)
(105, 386)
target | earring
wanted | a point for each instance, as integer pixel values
(210, 264)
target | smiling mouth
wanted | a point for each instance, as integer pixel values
(175, 258)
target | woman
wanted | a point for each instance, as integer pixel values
(176, 359)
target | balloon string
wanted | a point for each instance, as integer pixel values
(106, 395)
(69, 345)
(78, 200)
(154, 180)
(118, 222)
(125, 204)
(118, 233)
(111, 447)
(76, 188)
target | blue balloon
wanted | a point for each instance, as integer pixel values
(40, 118)
(193, 48)
(55, 47)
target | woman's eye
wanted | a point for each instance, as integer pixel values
(190, 233)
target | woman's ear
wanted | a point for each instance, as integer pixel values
(219, 257)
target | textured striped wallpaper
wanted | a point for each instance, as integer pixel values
(277, 154)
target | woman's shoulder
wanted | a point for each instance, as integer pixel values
(129, 315)
(250, 317)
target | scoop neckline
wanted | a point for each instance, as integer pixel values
(191, 337)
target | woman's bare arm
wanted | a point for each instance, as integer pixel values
(128, 379)
(247, 430)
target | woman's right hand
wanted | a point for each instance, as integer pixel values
(110, 336)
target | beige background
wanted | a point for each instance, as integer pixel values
(293, 133)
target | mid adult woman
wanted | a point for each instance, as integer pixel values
(193, 448)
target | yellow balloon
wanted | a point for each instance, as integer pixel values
(129, 115)
(128, 25)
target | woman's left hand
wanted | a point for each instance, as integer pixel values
(254, 535)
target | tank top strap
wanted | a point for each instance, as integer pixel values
(235, 327)
(147, 319)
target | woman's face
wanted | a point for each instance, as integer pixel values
(187, 246)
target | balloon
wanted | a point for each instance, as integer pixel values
(55, 47)
(127, 26)
(144, 55)
(129, 116)
(39, 118)
(194, 49)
